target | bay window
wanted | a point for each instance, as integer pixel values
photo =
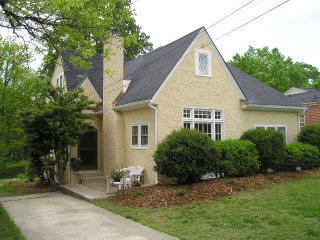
(208, 121)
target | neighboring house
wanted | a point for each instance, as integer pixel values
(310, 98)
(186, 84)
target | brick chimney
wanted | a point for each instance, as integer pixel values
(113, 123)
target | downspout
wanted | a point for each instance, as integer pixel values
(156, 129)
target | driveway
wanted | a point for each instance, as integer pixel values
(55, 216)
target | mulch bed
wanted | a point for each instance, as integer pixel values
(166, 195)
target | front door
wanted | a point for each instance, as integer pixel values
(87, 150)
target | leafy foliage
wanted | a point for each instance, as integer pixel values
(274, 69)
(57, 123)
(238, 158)
(74, 25)
(301, 155)
(185, 155)
(20, 89)
(310, 134)
(269, 143)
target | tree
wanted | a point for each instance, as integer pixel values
(57, 123)
(20, 88)
(73, 25)
(274, 69)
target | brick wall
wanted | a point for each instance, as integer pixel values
(313, 114)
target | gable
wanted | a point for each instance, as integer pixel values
(90, 91)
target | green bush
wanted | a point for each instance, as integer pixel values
(301, 155)
(238, 158)
(269, 143)
(185, 155)
(310, 134)
(181, 192)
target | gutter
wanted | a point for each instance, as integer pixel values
(156, 129)
(272, 107)
(131, 106)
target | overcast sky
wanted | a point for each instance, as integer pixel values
(294, 28)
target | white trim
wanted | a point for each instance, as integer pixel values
(176, 66)
(275, 107)
(299, 122)
(196, 60)
(192, 120)
(276, 125)
(132, 106)
(96, 93)
(139, 146)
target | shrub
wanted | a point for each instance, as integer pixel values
(301, 155)
(116, 175)
(269, 143)
(310, 134)
(238, 158)
(181, 192)
(185, 155)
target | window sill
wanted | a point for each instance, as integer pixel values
(139, 147)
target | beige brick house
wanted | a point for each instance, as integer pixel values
(187, 84)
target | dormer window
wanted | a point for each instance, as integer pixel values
(60, 81)
(203, 63)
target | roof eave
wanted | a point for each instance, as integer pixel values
(273, 107)
(132, 106)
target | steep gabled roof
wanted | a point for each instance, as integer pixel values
(75, 76)
(149, 71)
(259, 93)
(312, 96)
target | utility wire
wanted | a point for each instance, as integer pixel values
(211, 26)
(242, 25)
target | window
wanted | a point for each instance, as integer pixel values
(302, 121)
(60, 81)
(139, 136)
(208, 121)
(280, 128)
(203, 63)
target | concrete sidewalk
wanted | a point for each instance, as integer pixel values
(56, 216)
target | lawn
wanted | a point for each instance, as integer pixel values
(279, 211)
(13, 169)
(8, 230)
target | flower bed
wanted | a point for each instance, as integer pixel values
(168, 195)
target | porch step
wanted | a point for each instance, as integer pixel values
(89, 173)
(93, 179)
(83, 192)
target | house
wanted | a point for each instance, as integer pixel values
(186, 84)
(310, 98)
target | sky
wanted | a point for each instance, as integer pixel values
(294, 28)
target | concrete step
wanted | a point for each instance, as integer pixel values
(83, 192)
(95, 179)
(89, 173)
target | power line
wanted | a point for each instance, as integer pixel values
(242, 25)
(211, 26)
(246, 23)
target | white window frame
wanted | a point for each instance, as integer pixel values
(300, 122)
(197, 72)
(139, 146)
(192, 120)
(60, 81)
(276, 126)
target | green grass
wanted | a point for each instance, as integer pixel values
(8, 230)
(282, 211)
(13, 169)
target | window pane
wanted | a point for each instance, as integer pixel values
(144, 130)
(206, 114)
(144, 140)
(134, 135)
(187, 125)
(203, 63)
(218, 131)
(144, 135)
(218, 114)
(204, 127)
(187, 113)
(302, 120)
(134, 140)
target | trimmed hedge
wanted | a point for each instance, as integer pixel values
(185, 155)
(238, 158)
(269, 143)
(310, 134)
(301, 155)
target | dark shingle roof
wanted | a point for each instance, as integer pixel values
(148, 72)
(257, 92)
(312, 96)
(74, 76)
